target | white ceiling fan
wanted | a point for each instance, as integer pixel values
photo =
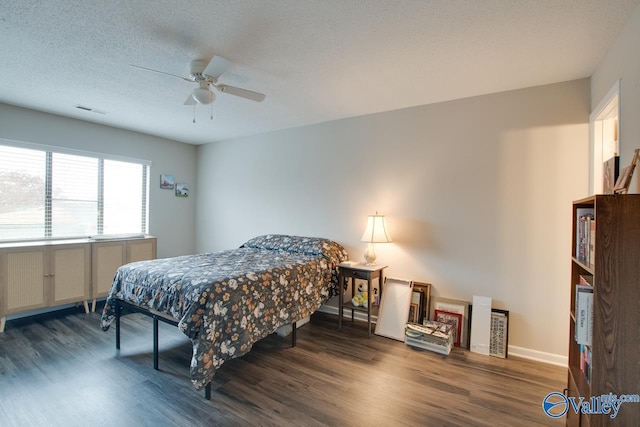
(207, 75)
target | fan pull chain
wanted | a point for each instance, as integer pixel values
(194, 113)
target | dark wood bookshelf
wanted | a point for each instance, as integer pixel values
(615, 346)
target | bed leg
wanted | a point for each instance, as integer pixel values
(207, 391)
(293, 335)
(155, 342)
(118, 308)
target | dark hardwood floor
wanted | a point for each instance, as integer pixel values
(63, 370)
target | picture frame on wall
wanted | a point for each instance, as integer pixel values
(499, 342)
(425, 290)
(454, 306)
(167, 182)
(453, 319)
(182, 190)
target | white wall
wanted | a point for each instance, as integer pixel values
(477, 194)
(623, 62)
(171, 218)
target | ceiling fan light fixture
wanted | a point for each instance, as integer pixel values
(203, 96)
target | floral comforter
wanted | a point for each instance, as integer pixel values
(226, 301)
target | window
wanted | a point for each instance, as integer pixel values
(74, 196)
(46, 194)
(22, 193)
(125, 199)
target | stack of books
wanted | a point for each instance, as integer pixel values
(434, 336)
(585, 236)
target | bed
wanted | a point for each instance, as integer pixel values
(226, 301)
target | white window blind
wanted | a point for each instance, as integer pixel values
(74, 201)
(22, 193)
(48, 194)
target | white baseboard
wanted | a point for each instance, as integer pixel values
(540, 356)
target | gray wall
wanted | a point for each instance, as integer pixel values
(171, 218)
(477, 194)
(623, 62)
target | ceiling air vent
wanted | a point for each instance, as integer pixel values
(93, 110)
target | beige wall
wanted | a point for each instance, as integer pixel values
(171, 218)
(623, 62)
(477, 194)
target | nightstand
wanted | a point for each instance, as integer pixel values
(350, 270)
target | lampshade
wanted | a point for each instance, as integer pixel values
(203, 96)
(376, 231)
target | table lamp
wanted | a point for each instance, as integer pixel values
(376, 232)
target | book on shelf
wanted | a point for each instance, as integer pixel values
(585, 362)
(592, 240)
(584, 314)
(585, 235)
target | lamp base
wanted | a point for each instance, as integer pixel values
(370, 255)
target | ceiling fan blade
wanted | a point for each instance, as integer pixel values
(216, 67)
(243, 93)
(160, 72)
(190, 100)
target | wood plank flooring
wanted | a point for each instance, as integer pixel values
(62, 370)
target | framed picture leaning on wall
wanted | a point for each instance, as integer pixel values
(610, 173)
(454, 306)
(624, 180)
(499, 338)
(424, 290)
(453, 319)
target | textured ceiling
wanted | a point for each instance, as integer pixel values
(316, 60)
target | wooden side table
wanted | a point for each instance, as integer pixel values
(358, 271)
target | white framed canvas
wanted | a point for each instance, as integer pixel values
(394, 308)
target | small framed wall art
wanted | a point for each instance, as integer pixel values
(167, 182)
(182, 190)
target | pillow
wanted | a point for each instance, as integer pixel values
(307, 245)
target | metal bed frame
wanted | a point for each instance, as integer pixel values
(156, 316)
